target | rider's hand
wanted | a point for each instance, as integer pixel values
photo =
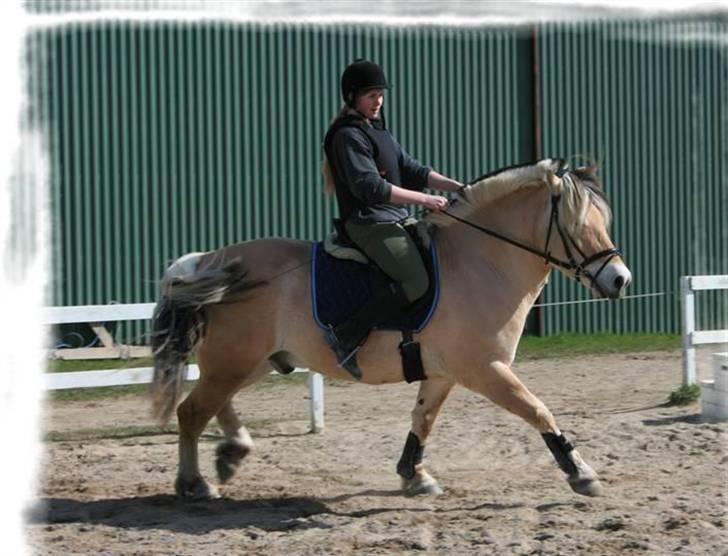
(436, 203)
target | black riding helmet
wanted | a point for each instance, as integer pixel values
(359, 76)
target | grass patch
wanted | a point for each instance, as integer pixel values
(685, 395)
(69, 366)
(571, 345)
(102, 392)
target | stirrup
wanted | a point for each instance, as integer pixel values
(346, 359)
(350, 364)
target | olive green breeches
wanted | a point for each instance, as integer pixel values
(394, 251)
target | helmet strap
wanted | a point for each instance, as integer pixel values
(351, 100)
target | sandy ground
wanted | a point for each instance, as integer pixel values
(664, 469)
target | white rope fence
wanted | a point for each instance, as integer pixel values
(601, 300)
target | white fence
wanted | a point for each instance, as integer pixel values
(690, 336)
(96, 314)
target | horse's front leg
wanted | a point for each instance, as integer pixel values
(415, 479)
(498, 383)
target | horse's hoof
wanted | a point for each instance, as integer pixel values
(426, 486)
(225, 469)
(587, 487)
(229, 456)
(196, 489)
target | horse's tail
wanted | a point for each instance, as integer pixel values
(178, 322)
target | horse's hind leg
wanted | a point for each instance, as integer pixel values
(211, 396)
(415, 479)
(237, 444)
(500, 385)
(204, 402)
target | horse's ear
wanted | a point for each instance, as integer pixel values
(589, 173)
(590, 170)
(554, 181)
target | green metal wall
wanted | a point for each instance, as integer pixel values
(169, 138)
(649, 102)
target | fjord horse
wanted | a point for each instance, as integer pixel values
(246, 309)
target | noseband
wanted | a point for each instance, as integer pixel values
(570, 264)
(580, 268)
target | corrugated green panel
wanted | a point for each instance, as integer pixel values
(169, 138)
(647, 100)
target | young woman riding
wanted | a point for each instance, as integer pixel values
(374, 177)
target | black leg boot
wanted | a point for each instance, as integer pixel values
(346, 338)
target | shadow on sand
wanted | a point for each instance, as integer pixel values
(168, 512)
(693, 419)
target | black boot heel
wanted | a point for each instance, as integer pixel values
(345, 357)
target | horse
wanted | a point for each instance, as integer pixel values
(246, 309)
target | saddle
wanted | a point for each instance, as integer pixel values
(343, 279)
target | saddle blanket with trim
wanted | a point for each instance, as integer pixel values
(340, 287)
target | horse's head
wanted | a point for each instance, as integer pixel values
(578, 240)
(572, 236)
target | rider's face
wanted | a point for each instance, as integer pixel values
(370, 103)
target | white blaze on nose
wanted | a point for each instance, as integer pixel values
(614, 278)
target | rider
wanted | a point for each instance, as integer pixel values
(373, 178)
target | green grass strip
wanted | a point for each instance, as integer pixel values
(573, 345)
(69, 366)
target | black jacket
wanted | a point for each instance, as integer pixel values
(366, 161)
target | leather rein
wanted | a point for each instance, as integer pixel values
(570, 264)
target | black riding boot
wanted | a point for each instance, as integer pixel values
(346, 338)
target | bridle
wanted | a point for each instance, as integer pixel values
(570, 264)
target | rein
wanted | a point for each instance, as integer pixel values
(579, 268)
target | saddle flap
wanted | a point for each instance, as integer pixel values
(339, 251)
(421, 233)
(340, 287)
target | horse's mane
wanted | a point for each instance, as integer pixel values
(579, 188)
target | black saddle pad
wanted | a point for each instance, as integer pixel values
(340, 287)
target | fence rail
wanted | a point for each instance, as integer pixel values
(143, 375)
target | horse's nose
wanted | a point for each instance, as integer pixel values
(622, 280)
(613, 281)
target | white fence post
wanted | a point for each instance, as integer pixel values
(316, 389)
(692, 337)
(688, 328)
